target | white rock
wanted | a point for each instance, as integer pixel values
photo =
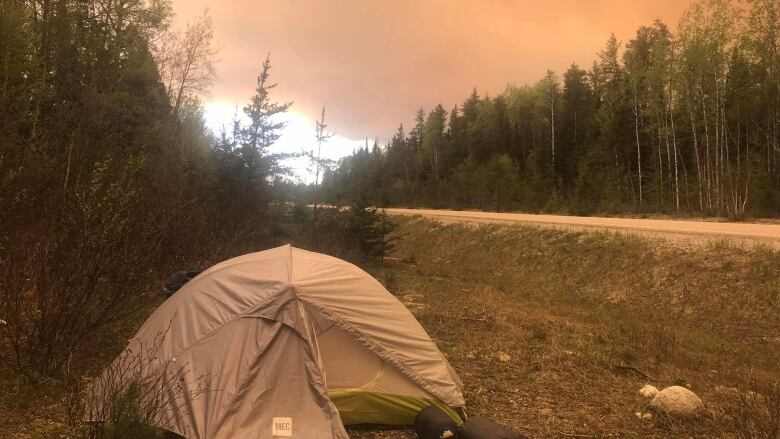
(753, 396)
(503, 357)
(546, 412)
(727, 390)
(644, 416)
(677, 401)
(648, 391)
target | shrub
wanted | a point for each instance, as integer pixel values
(754, 413)
(357, 234)
(134, 394)
(79, 270)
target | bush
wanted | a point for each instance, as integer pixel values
(134, 394)
(753, 411)
(371, 230)
(77, 271)
(357, 234)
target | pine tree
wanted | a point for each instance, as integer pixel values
(263, 130)
(433, 141)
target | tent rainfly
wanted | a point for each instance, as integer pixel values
(292, 344)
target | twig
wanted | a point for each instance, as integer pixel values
(634, 369)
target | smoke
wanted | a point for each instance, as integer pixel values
(372, 64)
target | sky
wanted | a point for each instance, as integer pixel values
(373, 63)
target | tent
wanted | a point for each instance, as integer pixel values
(291, 343)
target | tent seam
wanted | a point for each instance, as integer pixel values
(253, 308)
(321, 371)
(377, 349)
(333, 428)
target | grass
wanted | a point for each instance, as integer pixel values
(567, 307)
(570, 306)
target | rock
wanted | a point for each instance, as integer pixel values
(731, 391)
(677, 401)
(648, 391)
(753, 396)
(471, 355)
(503, 357)
(546, 412)
(644, 416)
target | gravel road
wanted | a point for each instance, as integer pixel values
(676, 229)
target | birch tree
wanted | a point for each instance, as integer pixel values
(186, 62)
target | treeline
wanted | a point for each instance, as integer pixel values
(681, 122)
(109, 180)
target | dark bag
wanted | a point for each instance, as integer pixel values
(176, 281)
(432, 423)
(478, 427)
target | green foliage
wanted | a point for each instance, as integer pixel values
(109, 179)
(371, 230)
(359, 234)
(126, 420)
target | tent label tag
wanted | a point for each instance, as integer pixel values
(282, 427)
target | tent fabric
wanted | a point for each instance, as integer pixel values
(290, 343)
(367, 389)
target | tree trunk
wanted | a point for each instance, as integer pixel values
(552, 128)
(638, 149)
(696, 155)
(674, 146)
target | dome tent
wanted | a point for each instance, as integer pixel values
(294, 344)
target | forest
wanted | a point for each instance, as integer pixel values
(109, 178)
(678, 122)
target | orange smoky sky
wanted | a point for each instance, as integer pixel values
(373, 63)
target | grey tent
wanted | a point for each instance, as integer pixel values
(290, 343)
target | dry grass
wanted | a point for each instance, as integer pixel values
(569, 306)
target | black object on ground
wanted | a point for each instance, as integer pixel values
(433, 423)
(176, 281)
(477, 427)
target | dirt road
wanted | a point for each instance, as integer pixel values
(676, 229)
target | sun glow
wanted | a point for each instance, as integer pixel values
(297, 136)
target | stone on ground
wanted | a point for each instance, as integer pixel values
(644, 416)
(677, 401)
(648, 391)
